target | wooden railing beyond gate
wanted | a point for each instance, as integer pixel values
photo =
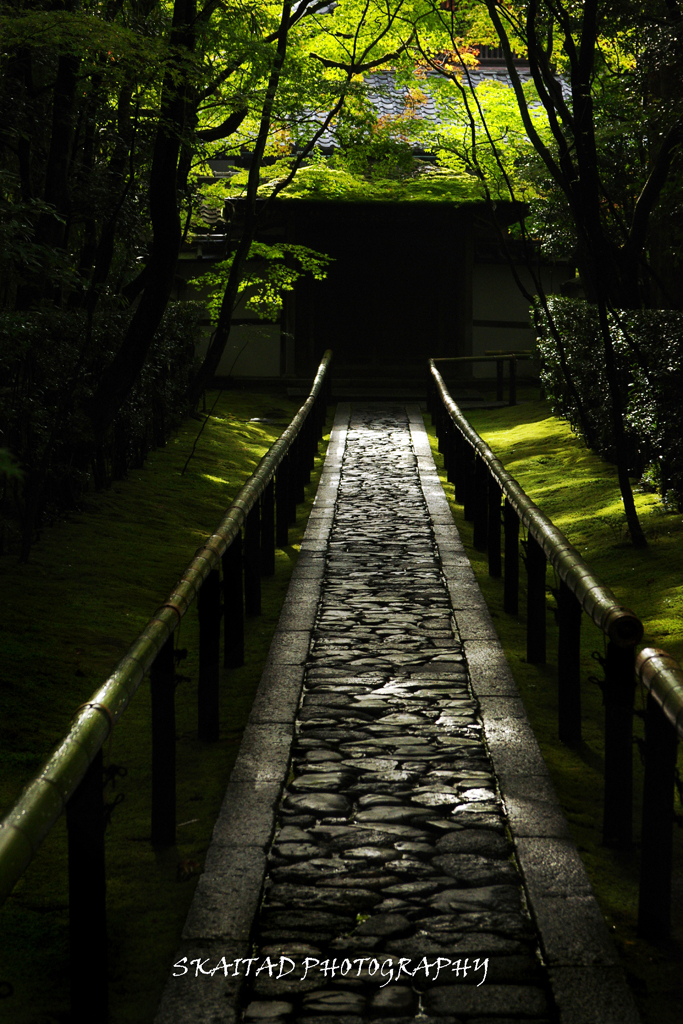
(482, 484)
(71, 780)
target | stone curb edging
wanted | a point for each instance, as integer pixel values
(588, 983)
(229, 890)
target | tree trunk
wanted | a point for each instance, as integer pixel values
(635, 529)
(50, 228)
(123, 371)
(222, 332)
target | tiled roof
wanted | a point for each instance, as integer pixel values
(392, 101)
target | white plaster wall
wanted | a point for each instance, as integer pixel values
(496, 296)
(250, 352)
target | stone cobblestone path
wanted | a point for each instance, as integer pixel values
(416, 867)
(391, 841)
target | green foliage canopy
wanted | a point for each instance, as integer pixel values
(270, 271)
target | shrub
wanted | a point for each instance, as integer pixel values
(654, 409)
(50, 364)
(648, 345)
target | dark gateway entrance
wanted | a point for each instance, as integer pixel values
(408, 281)
(399, 289)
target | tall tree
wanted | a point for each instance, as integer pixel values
(602, 52)
(174, 114)
(337, 46)
(104, 110)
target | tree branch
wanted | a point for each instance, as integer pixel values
(357, 69)
(228, 127)
(555, 170)
(652, 188)
(547, 86)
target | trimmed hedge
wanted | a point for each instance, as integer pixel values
(648, 345)
(50, 365)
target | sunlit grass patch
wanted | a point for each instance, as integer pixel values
(579, 492)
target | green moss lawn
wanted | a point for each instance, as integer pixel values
(91, 585)
(579, 492)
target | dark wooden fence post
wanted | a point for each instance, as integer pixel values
(494, 496)
(440, 418)
(448, 448)
(162, 686)
(87, 898)
(500, 393)
(618, 692)
(321, 419)
(252, 562)
(306, 452)
(233, 605)
(268, 531)
(511, 578)
(568, 666)
(535, 607)
(656, 857)
(297, 456)
(291, 459)
(460, 471)
(443, 425)
(282, 504)
(481, 503)
(313, 437)
(209, 610)
(469, 470)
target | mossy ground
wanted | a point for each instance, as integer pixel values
(93, 582)
(91, 585)
(579, 492)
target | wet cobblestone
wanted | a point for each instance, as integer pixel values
(391, 841)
